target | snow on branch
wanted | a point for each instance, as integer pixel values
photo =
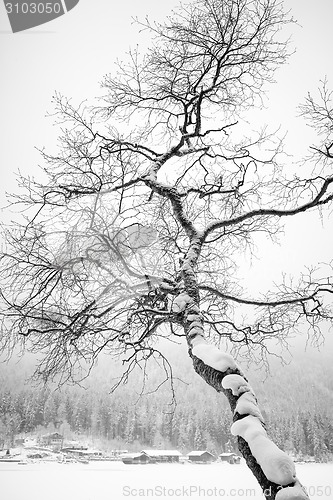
(295, 492)
(214, 357)
(247, 405)
(276, 465)
(236, 383)
(180, 302)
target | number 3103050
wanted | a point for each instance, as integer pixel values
(33, 8)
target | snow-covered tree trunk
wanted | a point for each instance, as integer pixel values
(273, 469)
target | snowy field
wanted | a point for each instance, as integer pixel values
(116, 481)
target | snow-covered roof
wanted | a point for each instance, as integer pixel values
(228, 455)
(158, 453)
(198, 453)
(133, 455)
(53, 435)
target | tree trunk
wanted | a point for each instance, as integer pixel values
(273, 469)
(214, 379)
(271, 490)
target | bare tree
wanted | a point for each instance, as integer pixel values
(134, 230)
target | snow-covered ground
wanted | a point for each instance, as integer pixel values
(116, 481)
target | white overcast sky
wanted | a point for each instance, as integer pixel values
(72, 53)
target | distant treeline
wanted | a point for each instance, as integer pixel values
(297, 404)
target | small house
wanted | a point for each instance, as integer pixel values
(54, 441)
(135, 458)
(162, 456)
(202, 457)
(230, 458)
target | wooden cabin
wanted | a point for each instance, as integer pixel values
(202, 457)
(163, 456)
(230, 458)
(53, 441)
(135, 458)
